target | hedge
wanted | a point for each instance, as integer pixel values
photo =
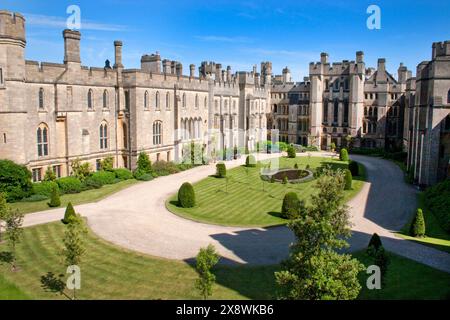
(348, 179)
(354, 168)
(103, 177)
(15, 180)
(69, 185)
(250, 161)
(186, 195)
(437, 200)
(164, 168)
(221, 170)
(123, 174)
(45, 188)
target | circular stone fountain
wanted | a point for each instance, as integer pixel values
(292, 175)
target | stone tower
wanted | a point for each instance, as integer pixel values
(356, 97)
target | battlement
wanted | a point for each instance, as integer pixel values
(441, 49)
(12, 26)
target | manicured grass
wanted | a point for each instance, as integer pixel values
(247, 200)
(77, 198)
(435, 236)
(109, 272)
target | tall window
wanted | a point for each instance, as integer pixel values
(41, 98)
(1, 76)
(146, 100)
(168, 101)
(157, 101)
(105, 99)
(89, 98)
(336, 111)
(196, 101)
(345, 111)
(42, 140)
(127, 100)
(157, 132)
(183, 103)
(103, 136)
(205, 103)
(325, 112)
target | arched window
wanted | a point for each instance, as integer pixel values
(146, 100)
(41, 98)
(105, 99)
(42, 140)
(364, 127)
(346, 111)
(157, 101)
(448, 96)
(89, 98)
(336, 111)
(157, 132)
(167, 101)
(196, 101)
(103, 136)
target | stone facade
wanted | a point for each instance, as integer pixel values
(52, 114)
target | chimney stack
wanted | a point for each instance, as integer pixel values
(324, 58)
(229, 74)
(118, 54)
(381, 65)
(71, 46)
(192, 70)
(359, 57)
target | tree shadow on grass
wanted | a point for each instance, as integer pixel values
(52, 283)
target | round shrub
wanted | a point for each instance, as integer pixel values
(292, 207)
(221, 170)
(186, 195)
(291, 152)
(250, 161)
(54, 199)
(89, 184)
(123, 174)
(343, 156)
(15, 180)
(45, 188)
(348, 179)
(69, 213)
(418, 225)
(145, 177)
(354, 168)
(103, 177)
(69, 185)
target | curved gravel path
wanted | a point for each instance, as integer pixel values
(136, 218)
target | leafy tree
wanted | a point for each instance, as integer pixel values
(291, 152)
(186, 195)
(69, 213)
(14, 222)
(81, 170)
(418, 225)
(15, 180)
(4, 211)
(54, 198)
(206, 259)
(314, 270)
(348, 179)
(343, 156)
(292, 207)
(74, 246)
(107, 164)
(143, 163)
(49, 175)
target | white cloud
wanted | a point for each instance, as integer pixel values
(214, 38)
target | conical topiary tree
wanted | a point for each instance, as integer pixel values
(348, 180)
(54, 198)
(69, 214)
(292, 207)
(186, 195)
(343, 156)
(418, 225)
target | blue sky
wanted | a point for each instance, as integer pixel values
(239, 33)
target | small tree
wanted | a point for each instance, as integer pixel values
(221, 170)
(418, 225)
(206, 259)
(4, 211)
(69, 213)
(333, 146)
(14, 222)
(186, 195)
(291, 152)
(144, 163)
(74, 247)
(348, 180)
(81, 170)
(107, 164)
(292, 207)
(54, 198)
(343, 156)
(49, 175)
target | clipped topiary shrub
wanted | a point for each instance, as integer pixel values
(69, 185)
(250, 161)
(418, 225)
(285, 179)
(54, 199)
(348, 180)
(123, 174)
(292, 207)
(15, 180)
(343, 156)
(69, 213)
(186, 195)
(44, 188)
(291, 152)
(354, 168)
(296, 166)
(374, 244)
(143, 163)
(103, 177)
(221, 170)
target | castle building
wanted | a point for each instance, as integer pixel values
(54, 113)
(428, 118)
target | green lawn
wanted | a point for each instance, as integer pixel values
(435, 236)
(109, 272)
(248, 201)
(77, 198)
